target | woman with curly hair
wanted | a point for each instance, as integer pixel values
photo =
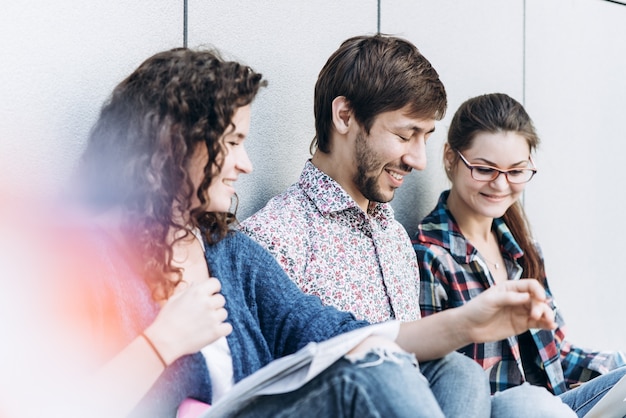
(180, 304)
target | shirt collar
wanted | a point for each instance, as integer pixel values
(440, 228)
(328, 195)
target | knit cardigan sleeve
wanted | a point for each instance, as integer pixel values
(270, 315)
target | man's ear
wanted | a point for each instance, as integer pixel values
(342, 114)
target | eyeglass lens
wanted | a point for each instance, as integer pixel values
(483, 173)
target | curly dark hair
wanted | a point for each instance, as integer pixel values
(138, 153)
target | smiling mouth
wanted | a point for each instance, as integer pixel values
(395, 175)
(493, 196)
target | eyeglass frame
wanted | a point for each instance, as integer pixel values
(471, 167)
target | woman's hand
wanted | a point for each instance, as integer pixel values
(189, 320)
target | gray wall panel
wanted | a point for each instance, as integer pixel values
(576, 94)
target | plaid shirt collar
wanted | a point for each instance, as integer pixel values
(440, 228)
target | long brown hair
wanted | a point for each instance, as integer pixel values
(498, 112)
(138, 152)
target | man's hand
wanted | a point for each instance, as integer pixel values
(508, 309)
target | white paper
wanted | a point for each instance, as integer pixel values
(291, 372)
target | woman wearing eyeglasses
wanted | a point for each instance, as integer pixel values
(478, 236)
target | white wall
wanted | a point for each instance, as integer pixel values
(473, 54)
(576, 92)
(288, 42)
(61, 59)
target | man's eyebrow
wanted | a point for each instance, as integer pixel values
(416, 128)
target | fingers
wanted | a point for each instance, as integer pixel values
(194, 317)
(206, 286)
(529, 286)
(543, 316)
(224, 329)
(208, 293)
(530, 292)
(209, 285)
(540, 312)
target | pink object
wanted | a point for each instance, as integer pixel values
(191, 408)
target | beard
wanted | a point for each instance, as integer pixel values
(369, 170)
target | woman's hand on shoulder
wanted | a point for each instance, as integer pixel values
(191, 319)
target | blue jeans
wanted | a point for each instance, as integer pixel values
(459, 384)
(584, 397)
(389, 384)
(375, 385)
(461, 387)
(528, 401)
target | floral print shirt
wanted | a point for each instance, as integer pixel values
(359, 262)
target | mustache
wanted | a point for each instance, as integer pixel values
(400, 167)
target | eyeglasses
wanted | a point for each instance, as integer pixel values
(489, 173)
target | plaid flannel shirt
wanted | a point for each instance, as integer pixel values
(452, 272)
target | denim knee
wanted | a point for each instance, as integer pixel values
(528, 401)
(584, 397)
(460, 385)
(393, 382)
(377, 383)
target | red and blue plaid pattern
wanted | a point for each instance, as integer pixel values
(452, 272)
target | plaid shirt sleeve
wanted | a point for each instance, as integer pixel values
(451, 277)
(582, 364)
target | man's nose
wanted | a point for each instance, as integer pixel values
(415, 157)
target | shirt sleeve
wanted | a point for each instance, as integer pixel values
(582, 364)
